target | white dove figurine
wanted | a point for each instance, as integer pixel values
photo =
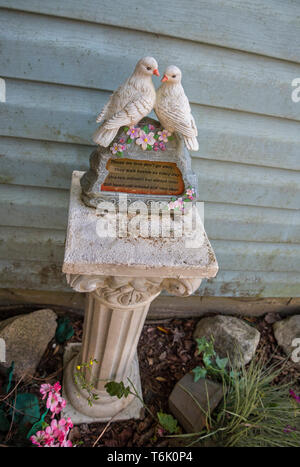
(173, 109)
(131, 102)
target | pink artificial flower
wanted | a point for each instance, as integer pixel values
(145, 139)
(177, 204)
(294, 396)
(151, 127)
(133, 132)
(190, 193)
(162, 146)
(155, 146)
(122, 140)
(163, 135)
(117, 148)
(44, 389)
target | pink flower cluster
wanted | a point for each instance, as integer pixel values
(55, 434)
(144, 137)
(179, 202)
(54, 401)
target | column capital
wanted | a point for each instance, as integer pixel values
(124, 291)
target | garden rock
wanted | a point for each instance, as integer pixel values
(182, 401)
(233, 337)
(26, 338)
(285, 332)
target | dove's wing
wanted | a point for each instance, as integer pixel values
(104, 111)
(179, 118)
(134, 111)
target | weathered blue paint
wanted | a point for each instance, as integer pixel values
(61, 60)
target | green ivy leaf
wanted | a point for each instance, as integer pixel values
(206, 360)
(199, 373)
(117, 389)
(129, 140)
(168, 422)
(64, 330)
(221, 362)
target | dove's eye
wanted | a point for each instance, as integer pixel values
(174, 76)
(148, 67)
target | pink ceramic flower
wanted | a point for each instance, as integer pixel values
(190, 193)
(151, 127)
(177, 204)
(114, 148)
(155, 146)
(144, 139)
(133, 132)
(163, 135)
(162, 146)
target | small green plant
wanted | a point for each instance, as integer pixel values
(81, 380)
(254, 411)
(166, 421)
(214, 366)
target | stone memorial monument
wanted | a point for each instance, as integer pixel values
(133, 231)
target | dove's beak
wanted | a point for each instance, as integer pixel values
(165, 78)
(156, 72)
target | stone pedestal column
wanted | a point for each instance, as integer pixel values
(121, 276)
(116, 309)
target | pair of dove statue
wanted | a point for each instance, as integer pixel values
(136, 98)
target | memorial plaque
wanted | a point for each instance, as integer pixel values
(143, 177)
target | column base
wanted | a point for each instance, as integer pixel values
(106, 407)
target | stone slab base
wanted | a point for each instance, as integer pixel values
(133, 410)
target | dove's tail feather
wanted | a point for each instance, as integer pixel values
(191, 143)
(104, 137)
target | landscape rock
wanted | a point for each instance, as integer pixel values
(233, 337)
(285, 332)
(182, 402)
(26, 338)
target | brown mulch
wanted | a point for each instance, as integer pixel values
(166, 352)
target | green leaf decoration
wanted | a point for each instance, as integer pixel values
(129, 140)
(221, 362)
(119, 153)
(156, 136)
(64, 330)
(126, 128)
(117, 389)
(27, 411)
(149, 147)
(145, 129)
(9, 373)
(168, 422)
(4, 423)
(38, 426)
(199, 373)
(170, 138)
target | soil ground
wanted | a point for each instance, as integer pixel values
(166, 352)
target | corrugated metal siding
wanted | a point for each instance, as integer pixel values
(60, 62)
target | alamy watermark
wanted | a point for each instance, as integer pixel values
(295, 356)
(296, 92)
(2, 351)
(151, 220)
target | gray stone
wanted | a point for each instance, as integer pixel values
(232, 337)
(183, 405)
(285, 332)
(26, 338)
